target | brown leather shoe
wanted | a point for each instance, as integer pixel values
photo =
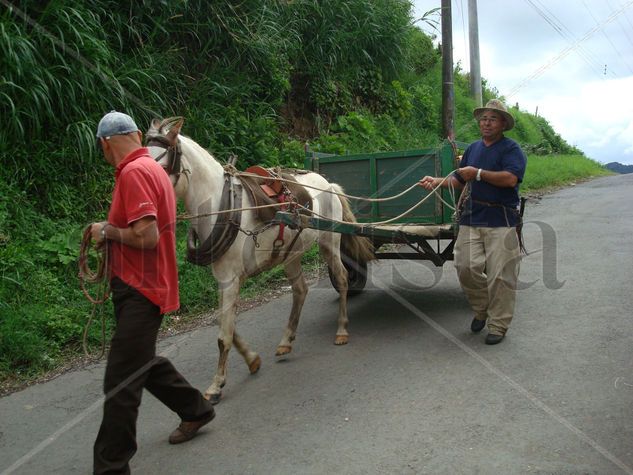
(188, 429)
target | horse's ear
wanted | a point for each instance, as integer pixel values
(154, 127)
(174, 129)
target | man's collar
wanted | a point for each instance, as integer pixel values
(493, 142)
(130, 157)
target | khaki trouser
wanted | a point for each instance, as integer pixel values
(487, 262)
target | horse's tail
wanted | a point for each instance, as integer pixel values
(353, 248)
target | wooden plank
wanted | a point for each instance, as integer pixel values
(399, 235)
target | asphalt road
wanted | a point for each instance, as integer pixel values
(414, 391)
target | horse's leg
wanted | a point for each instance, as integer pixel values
(330, 247)
(229, 293)
(253, 361)
(299, 291)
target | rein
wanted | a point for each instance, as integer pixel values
(87, 275)
(436, 190)
(173, 152)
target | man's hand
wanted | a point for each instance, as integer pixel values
(97, 235)
(468, 173)
(429, 182)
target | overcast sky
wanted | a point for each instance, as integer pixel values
(572, 59)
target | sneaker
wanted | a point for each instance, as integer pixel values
(477, 325)
(188, 429)
(494, 339)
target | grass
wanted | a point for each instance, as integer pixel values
(556, 170)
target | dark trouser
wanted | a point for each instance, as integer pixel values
(132, 366)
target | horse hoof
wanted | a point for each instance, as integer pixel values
(213, 398)
(283, 350)
(341, 340)
(254, 366)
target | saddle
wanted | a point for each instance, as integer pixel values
(264, 189)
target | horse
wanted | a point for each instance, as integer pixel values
(245, 244)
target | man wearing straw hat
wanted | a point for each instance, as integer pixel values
(487, 250)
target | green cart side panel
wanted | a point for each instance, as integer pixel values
(355, 179)
(396, 175)
(380, 175)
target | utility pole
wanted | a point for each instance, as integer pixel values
(475, 67)
(448, 93)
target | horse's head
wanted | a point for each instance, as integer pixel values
(164, 146)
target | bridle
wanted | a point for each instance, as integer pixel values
(173, 152)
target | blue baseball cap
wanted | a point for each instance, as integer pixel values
(116, 123)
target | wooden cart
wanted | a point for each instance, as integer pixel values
(428, 231)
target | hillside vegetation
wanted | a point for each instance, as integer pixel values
(255, 78)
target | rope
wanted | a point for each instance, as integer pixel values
(352, 197)
(378, 223)
(250, 208)
(87, 275)
(183, 217)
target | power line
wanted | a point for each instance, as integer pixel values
(460, 8)
(626, 17)
(538, 72)
(626, 33)
(590, 55)
(558, 27)
(608, 38)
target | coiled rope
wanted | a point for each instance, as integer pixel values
(88, 276)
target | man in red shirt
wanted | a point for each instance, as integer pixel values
(144, 279)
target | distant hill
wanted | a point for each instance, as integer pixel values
(619, 167)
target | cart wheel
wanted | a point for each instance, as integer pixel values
(356, 277)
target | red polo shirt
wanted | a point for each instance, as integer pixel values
(142, 188)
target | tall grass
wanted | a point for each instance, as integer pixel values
(556, 170)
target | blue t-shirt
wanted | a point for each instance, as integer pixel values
(481, 209)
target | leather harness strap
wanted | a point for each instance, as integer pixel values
(224, 230)
(279, 242)
(173, 153)
(227, 225)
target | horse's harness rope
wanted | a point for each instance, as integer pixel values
(251, 208)
(174, 153)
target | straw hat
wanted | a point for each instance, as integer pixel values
(497, 106)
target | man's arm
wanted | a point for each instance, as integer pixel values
(502, 179)
(141, 234)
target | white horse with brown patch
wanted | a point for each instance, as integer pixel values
(206, 189)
